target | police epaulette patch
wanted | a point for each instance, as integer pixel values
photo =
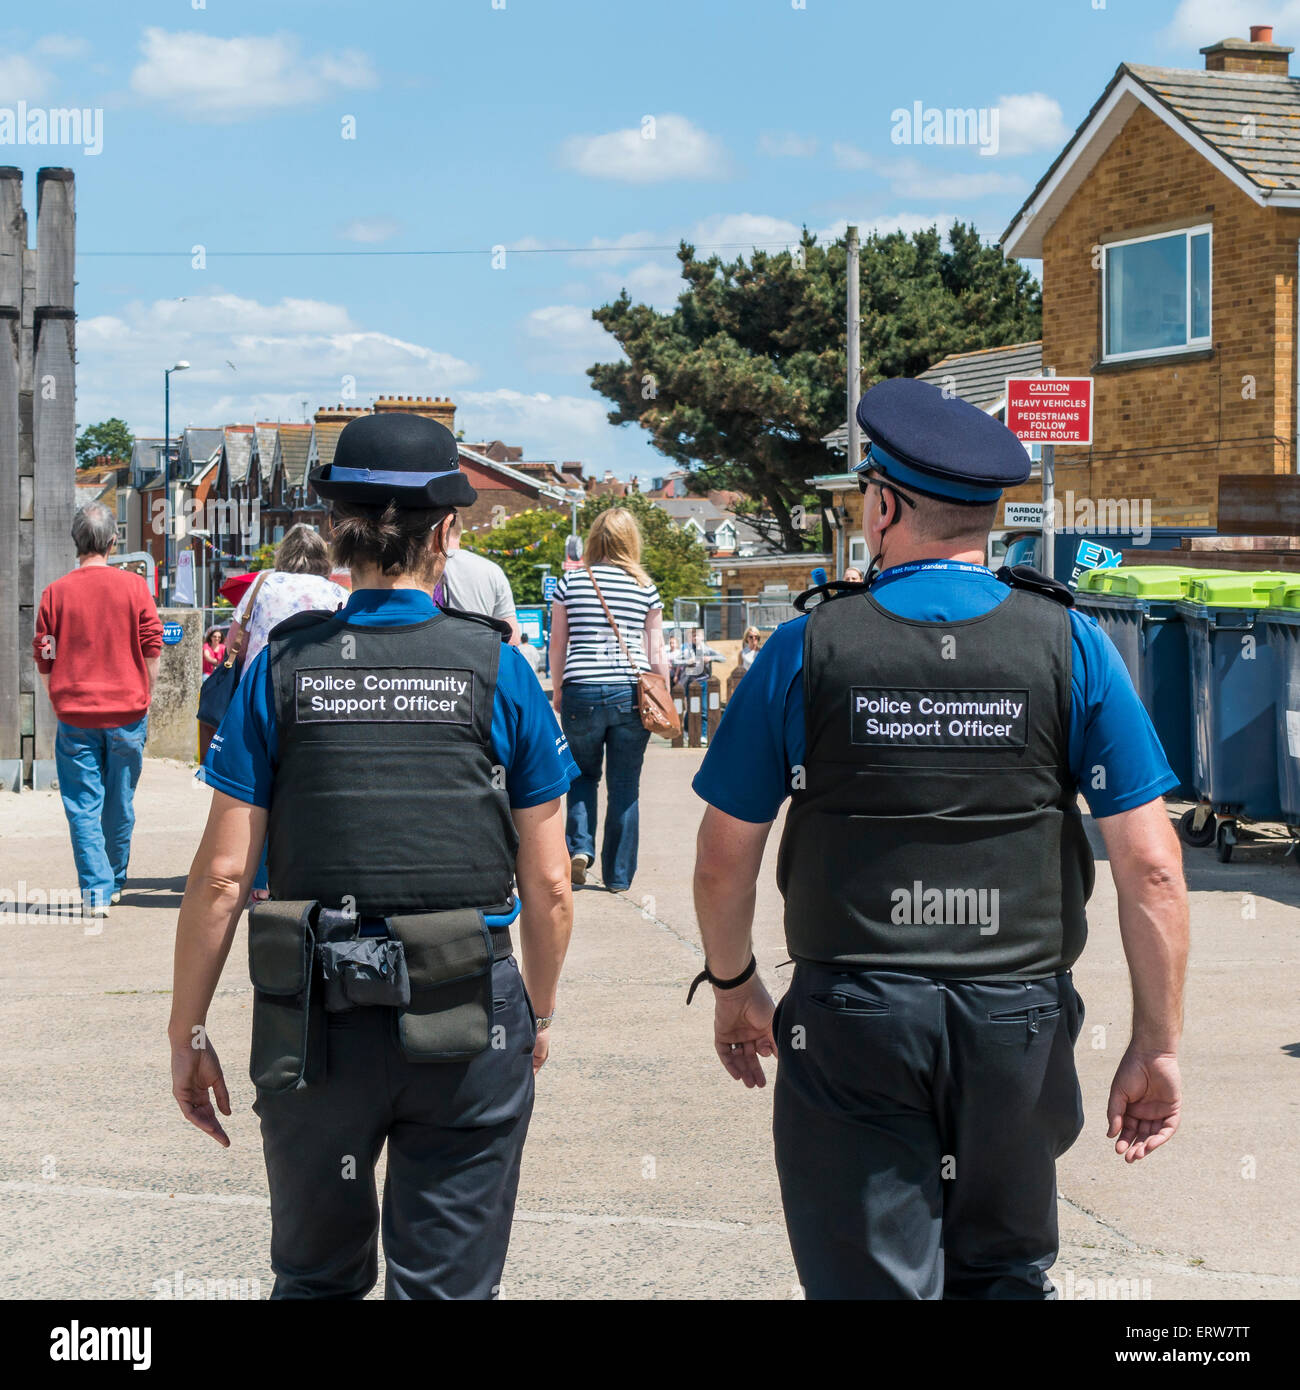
(1036, 582)
(300, 620)
(499, 624)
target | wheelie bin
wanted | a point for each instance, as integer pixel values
(1282, 618)
(1137, 609)
(1232, 690)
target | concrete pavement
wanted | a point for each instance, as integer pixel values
(648, 1172)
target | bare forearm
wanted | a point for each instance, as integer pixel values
(728, 855)
(545, 924)
(1146, 863)
(546, 897)
(726, 917)
(206, 927)
(151, 667)
(215, 893)
(1153, 923)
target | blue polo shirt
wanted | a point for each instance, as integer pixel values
(526, 739)
(1115, 755)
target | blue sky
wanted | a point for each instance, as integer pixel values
(519, 125)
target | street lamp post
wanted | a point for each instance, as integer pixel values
(169, 540)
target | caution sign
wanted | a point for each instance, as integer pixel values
(384, 694)
(895, 718)
(1050, 409)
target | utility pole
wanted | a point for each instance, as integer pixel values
(1048, 565)
(854, 354)
(854, 351)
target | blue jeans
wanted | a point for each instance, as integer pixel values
(600, 718)
(98, 770)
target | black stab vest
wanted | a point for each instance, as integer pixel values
(388, 797)
(934, 826)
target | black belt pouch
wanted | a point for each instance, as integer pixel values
(281, 948)
(449, 965)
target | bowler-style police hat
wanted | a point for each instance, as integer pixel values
(395, 457)
(939, 446)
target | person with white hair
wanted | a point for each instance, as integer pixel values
(97, 642)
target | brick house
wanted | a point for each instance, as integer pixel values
(979, 377)
(1169, 231)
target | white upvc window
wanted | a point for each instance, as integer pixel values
(1155, 294)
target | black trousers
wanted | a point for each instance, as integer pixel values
(917, 1126)
(455, 1133)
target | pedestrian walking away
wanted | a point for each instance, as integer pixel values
(933, 731)
(405, 769)
(97, 644)
(595, 683)
(475, 584)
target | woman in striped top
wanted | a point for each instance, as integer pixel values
(595, 690)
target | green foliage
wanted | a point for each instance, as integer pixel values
(745, 376)
(110, 437)
(673, 558)
(264, 558)
(521, 543)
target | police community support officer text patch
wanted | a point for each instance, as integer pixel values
(385, 694)
(896, 718)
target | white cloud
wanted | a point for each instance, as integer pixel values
(370, 229)
(1030, 121)
(1202, 22)
(567, 338)
(959, 185)
(556, 427)
(884, 223)
(848, 156)
(655, 283)
(21, 79)
(911, 178)
(609, 251)
(660, 148)
(283, 353)
(61, 46)
(786, 145)
(203, 77)
(745, 230)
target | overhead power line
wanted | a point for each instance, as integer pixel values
(480, 251)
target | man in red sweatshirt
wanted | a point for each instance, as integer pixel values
(98, 636)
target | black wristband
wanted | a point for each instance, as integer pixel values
(707, 974)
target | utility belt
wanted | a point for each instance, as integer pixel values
(305, 961)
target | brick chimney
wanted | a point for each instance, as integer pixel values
(339, 414)
(433, 407)
(1257, 54)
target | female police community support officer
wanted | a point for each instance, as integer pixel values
(933, 733)
(408, 767)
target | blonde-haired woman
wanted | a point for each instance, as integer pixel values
(595, 689)
(749, 645)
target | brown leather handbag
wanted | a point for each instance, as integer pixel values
(653, 701)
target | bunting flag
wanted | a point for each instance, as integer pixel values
(560, 523)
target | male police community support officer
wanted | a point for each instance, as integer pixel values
(408, 767)
(933, 733)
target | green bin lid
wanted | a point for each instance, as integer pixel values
(1286, 595)
(1093, 581)
(1148, 581)
(1236, 588)
(1143, 581)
